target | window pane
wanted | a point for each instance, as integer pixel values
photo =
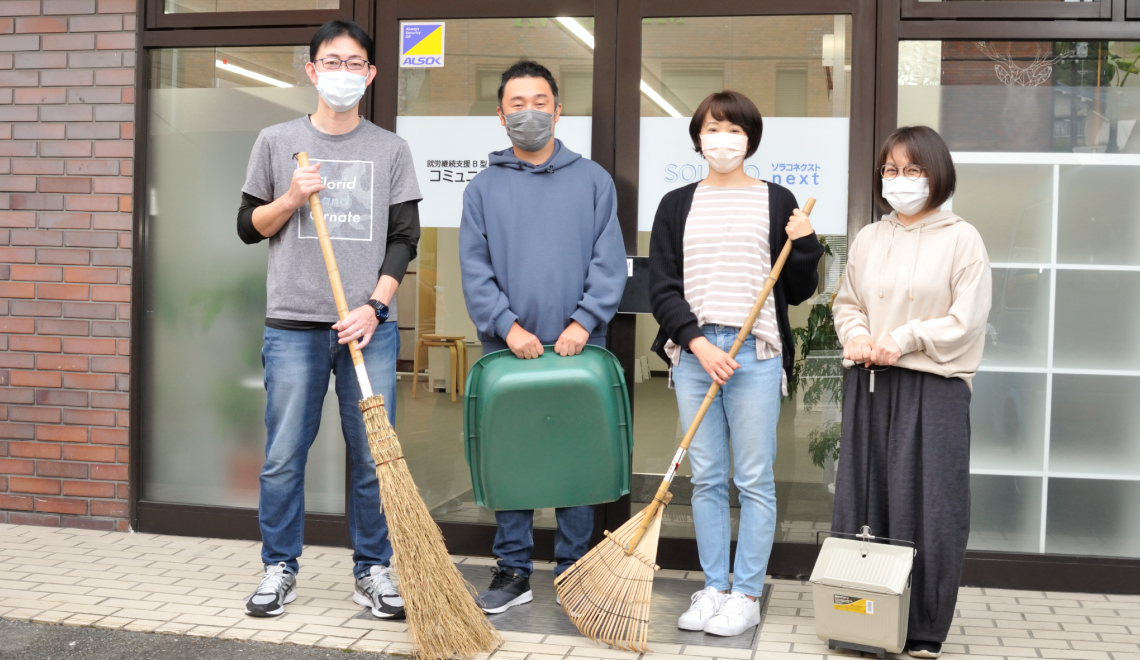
(1005, 513)
(1041, 133)
(448, 116)
(1094, 425)
(202, 6)
(204, 400)
(796, 69)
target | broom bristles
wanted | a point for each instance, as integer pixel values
(444, 620)
(606, 593)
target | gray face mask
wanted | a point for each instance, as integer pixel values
(530, 130)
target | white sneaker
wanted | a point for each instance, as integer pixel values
(737, 614)
(704, 607)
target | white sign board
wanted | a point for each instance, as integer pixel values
(807, 155)
(449, 151)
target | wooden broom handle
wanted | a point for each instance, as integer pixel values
(741, 337)
(334, 275)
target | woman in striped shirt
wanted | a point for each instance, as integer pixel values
(711, 250)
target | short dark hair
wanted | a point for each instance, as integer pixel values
(341, 28)
(729, 106)
(926, 148)
(527, 69)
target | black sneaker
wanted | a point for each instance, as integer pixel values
(376, 590)
(920, 649)
(507, 590)
(277, 588)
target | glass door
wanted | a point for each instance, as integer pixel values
(811, 76)
(446, 110)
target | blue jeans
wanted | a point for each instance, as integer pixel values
(743, 416)
(514, 538)
(297, 366)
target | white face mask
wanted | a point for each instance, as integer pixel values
(341, 90)
(724, 151)
(906, 196)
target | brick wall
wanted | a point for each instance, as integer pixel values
(66, 143)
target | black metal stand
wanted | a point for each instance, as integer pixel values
(879, 651)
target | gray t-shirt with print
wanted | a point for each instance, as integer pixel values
(365, 171)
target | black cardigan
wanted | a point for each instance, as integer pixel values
(796, 283)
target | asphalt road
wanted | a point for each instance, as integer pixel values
(33, 641)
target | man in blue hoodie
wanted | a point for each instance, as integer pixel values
(543, 263)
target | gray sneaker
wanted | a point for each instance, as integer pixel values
(376, 590)
(277, 588)
(507, 590)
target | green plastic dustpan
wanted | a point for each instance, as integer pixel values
(549, 432)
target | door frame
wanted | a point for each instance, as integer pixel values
(477, 538)
(787, 559)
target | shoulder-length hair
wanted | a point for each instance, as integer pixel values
(925, 148)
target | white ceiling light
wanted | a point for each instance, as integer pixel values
(577, 30)
(223, 64)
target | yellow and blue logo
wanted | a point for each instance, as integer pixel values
(421, 44)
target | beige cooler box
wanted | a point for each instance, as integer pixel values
(861, 592)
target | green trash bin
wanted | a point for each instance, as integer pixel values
(549, 432)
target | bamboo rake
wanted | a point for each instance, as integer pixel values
(444, 620)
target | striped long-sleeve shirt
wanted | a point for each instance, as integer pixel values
(726, 262)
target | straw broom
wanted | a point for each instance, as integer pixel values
(606, 593)
(444, 620)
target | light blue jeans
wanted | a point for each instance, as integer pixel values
(742, 418)
(297, 367)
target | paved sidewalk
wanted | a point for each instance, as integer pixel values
(192, 586)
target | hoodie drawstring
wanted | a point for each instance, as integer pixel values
(913, 264)
(886, 259)
(917, 243)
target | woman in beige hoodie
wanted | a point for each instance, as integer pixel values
(911, 316)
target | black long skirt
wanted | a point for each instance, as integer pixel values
(904, 470)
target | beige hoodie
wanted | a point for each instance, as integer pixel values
(927, 285)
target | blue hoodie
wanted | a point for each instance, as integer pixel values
(541, 245)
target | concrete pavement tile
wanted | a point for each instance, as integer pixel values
(531, 647)
(1071, 654)
(774, 647)
(768, 655)
(182, 608)
(302, 639)
(595, 651)
(332, 642)
(276, 624)
(376, 624)
(1028, 625)
(369, 646)
(1113, 647)
(112, 622)
(1035, 643)
(146, 615)
(386, 636)
(21, 614)
(236, 633)
(508, 655)
(716, 652)
(1095, 628)
(1071, 635)
(50, 617)
(80, 608)
(336, 631)
(657, 649)
(81, 620)
(512, 636)
(200, 620)
(543, 656)
(205, 631)
(139, 625)
(272, 636)
(71, 598)
(1008, 651)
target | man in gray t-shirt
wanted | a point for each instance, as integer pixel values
(367, 186)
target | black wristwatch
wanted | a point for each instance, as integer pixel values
(381, 310)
